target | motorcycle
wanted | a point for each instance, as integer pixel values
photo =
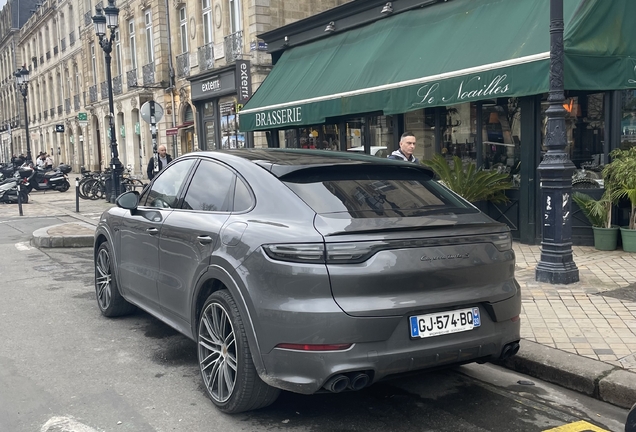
(50, 180)
(9, 187)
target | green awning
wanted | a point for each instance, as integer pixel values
(448, 53)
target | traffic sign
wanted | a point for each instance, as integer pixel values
(145, 112)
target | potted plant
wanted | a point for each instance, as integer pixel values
(470, 183)
(599, 213)
(620, 177)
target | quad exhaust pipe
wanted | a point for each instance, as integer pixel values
(509, 350)
(352, 381)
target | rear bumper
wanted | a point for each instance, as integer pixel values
(307, 372)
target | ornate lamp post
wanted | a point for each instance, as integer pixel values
(110, 21)
(556, 265)
(22, 83)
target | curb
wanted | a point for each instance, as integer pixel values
(42, 238)
(584, 375)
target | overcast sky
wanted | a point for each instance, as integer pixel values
(2, 3)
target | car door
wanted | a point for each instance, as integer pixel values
(190, 235)
(139, 236)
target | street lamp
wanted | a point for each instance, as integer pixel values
(556, 264)
(102, 23)
(22, 83)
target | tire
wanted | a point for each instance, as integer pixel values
(65, 186)
(24, 196)
(109, 300)
(225, 360)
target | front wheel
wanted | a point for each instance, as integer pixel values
(110, 301)
(225, 360)
(24, 196)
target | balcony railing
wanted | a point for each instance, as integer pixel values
(48, 55)
(131, 79)
(183, 65)
(67, 105)
(45, 114)
(206, 57)
(148, 73)
(233, 46)
(88, 19)
(104, 89)
(71, 38)
(76, 102)
(41, 59)
(117, 85)
(52, 112)
(63, 44)
(59, 110)
(92, 93)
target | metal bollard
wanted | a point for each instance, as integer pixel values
(77, 195)
(20, 200)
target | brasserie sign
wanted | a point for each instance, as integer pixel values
(279, 117)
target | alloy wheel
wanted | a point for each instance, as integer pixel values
(217, 352)
(103, 279)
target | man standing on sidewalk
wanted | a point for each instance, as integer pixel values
(407, 147)
(164, 160)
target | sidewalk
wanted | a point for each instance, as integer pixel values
(581, 336)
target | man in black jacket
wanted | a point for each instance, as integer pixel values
(164, 160)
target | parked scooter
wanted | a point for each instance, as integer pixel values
(50, 180)
(9, 187)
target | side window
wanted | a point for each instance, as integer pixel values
(164, 190)
(210, 188)
(242, 197)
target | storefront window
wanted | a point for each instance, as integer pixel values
(459, 126)
(501, 135)
(355, 134)
(628, 120)
(320, 137)
(421, 123)
(585, 129)
(231, 138)
(381, 135)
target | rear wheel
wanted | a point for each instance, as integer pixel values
(65, 186)
(109, 300)
(24, 196)
(225, 360)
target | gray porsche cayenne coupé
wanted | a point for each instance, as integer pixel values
(309, 271)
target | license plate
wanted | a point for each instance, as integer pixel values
(441, 323)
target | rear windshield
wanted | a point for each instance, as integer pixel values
(374, 191)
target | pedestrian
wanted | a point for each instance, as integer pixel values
(405, 152)
(630, 424)
(48, 162)
(164, 160)
(41, 160)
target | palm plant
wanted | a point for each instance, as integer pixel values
(471, 184)
(598, 212)
(620, 176)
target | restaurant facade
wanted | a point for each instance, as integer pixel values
(468, 78)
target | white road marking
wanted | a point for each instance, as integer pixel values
(65, 424)
(24, 246)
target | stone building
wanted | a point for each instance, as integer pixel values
(163, 50)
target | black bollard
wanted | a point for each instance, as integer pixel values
(77, 195)
(19, 199)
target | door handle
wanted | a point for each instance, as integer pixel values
(152, 231)
(204, 239)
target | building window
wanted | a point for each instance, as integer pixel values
(94, 63)
(501, 135)
(628, 120)
(150, 56)
(207, 21)
(118, 53)
(183, 29)
(235, 16)
(133, 44)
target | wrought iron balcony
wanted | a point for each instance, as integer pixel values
(76, 102)
(131, 79)
(48, 55)
(63, 44)
(148, 73)
(55, 50)
(41, 59)
(233, 46)
(67, 105)
(45, 114)
(71, 38)
(104, 89)
(183, 65)
(59, 110)
(117, 85)
(206, 57)
(92, 93)
(52, 112)
(88, 19)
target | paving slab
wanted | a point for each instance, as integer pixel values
(67, 235)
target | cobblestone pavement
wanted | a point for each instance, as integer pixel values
(595, 317)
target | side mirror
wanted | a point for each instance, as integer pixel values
(128, 200)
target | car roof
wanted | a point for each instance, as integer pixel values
(281, 162)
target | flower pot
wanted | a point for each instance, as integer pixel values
(628, 236)
(605, 239)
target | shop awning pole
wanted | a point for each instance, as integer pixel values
(556, 265)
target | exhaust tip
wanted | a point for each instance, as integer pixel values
(337, 383)
(358, 381)
(509, 350)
